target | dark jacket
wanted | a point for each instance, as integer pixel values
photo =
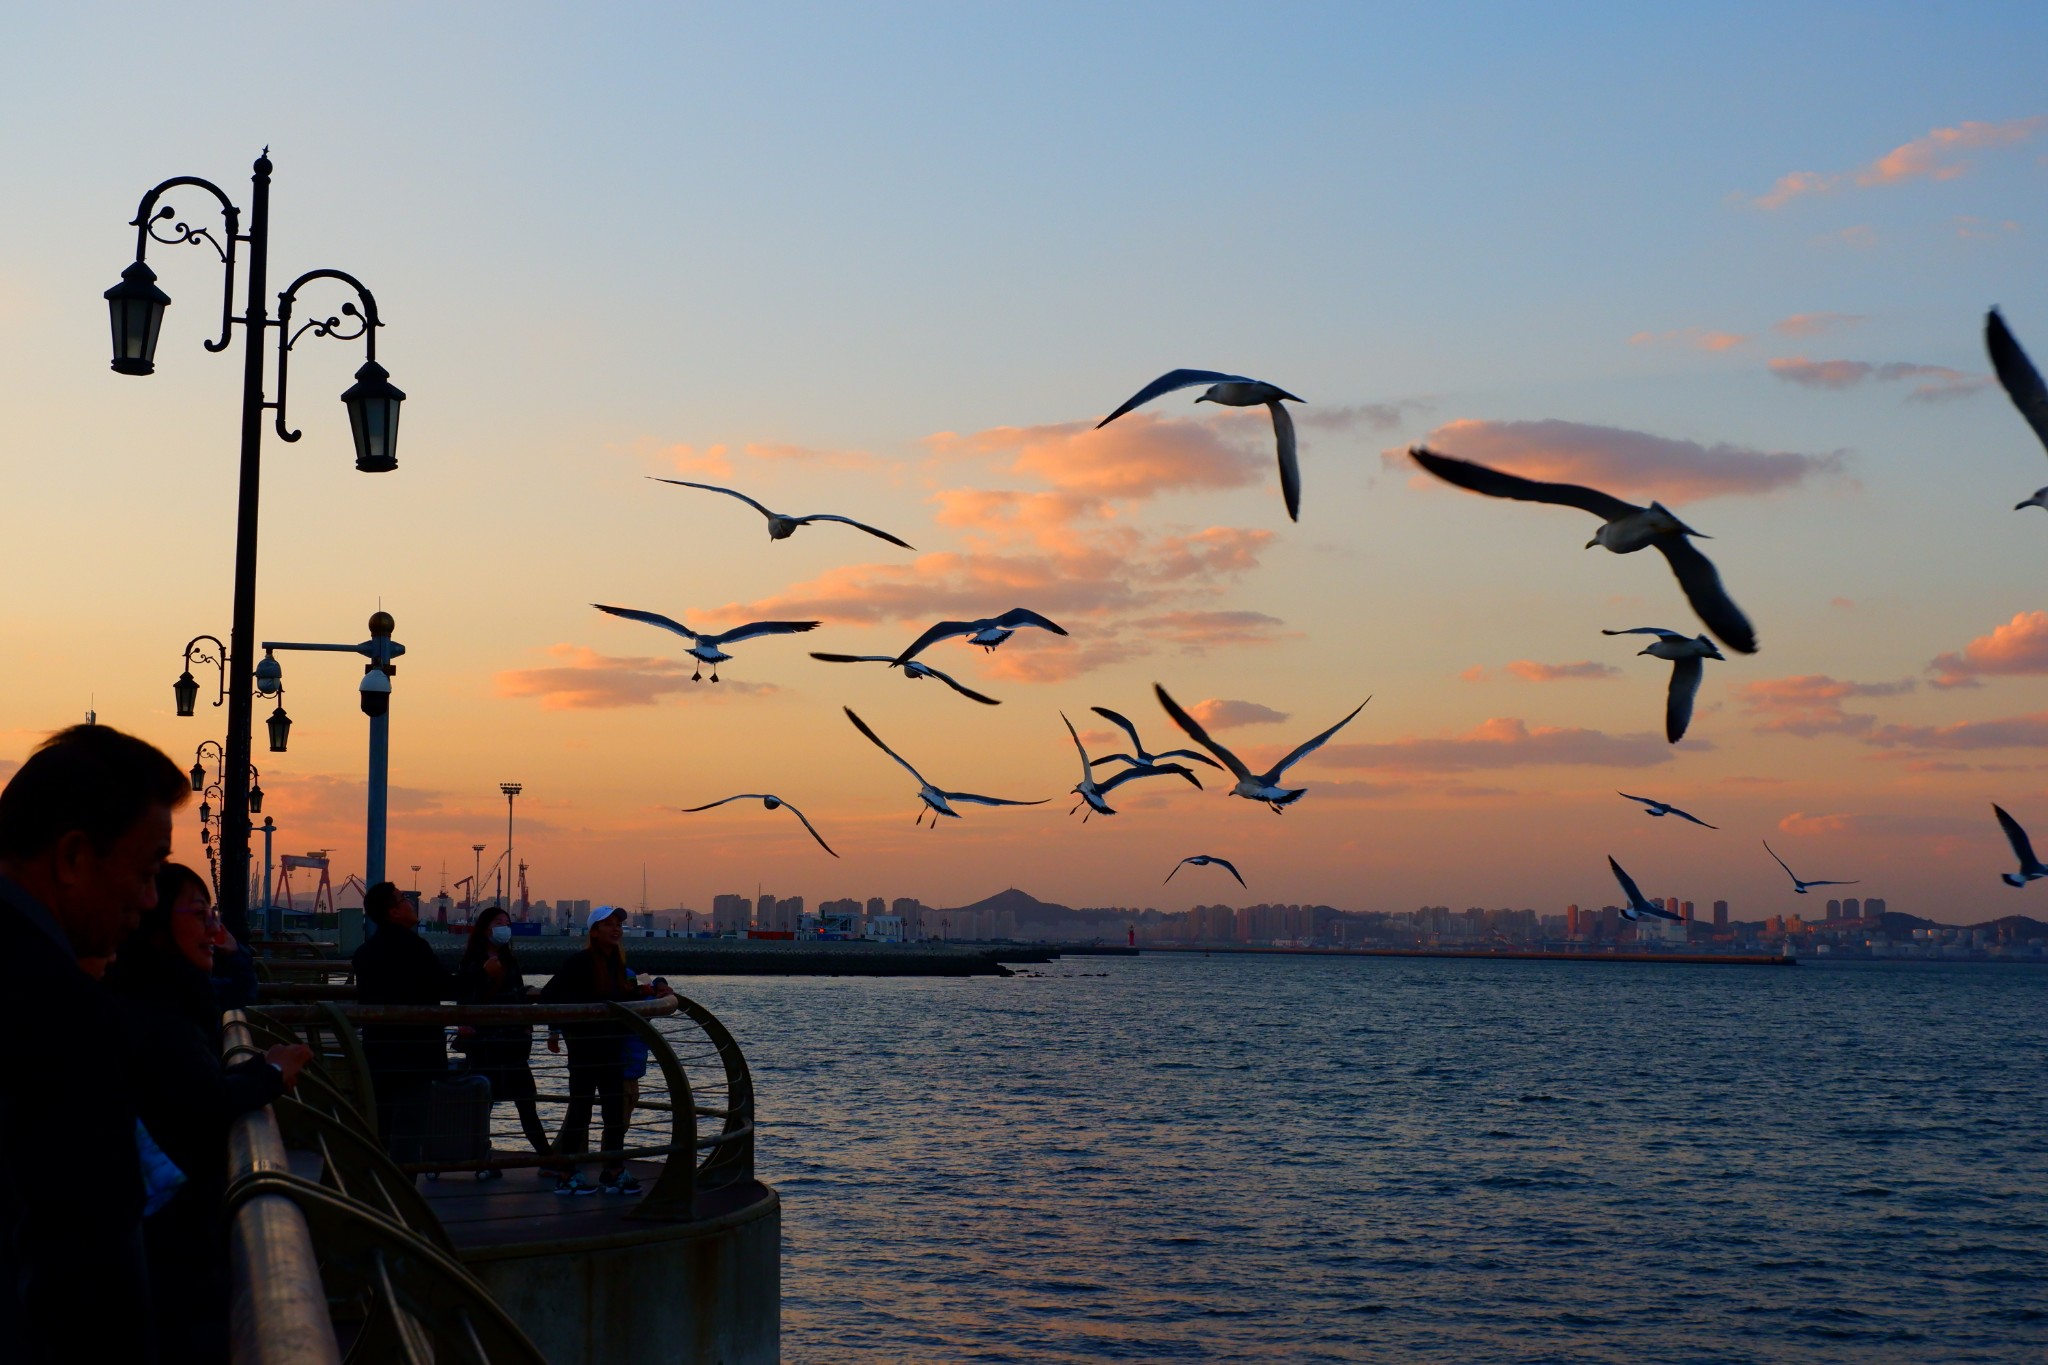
(579, 981)
(234, 978)
(187, 1099)
(70, 1180)
(497, 1050)
(396, 967)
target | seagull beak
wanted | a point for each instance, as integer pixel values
(1591, 543)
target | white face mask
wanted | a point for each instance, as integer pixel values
(501, 933)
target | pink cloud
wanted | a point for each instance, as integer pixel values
(709, 462)
(1137, 456)
(1861, 237)
(1799, 822)
(1939, 381)
(1476, 673)
(1932, 156)
(1810, 704)
(1528, 670)
(586, 680)
(1821, 374)
(2013, 732)
(1981, 229)
(2018, 647)
(1842, 603)
(1216, 713)
(1700, 337)
(1815, 324)
(1047, 658)
(1619, 461)
(1504, 742)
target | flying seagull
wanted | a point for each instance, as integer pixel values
(1688, 655)
(1797, 885)
(1666, 808)
(1626, 528)
(705, 648)
(1205, 860)
(1638, 905)
(2022, 384)
(1092, 793)
(912, 670)
(1138, 758)
(769, 803)
(988, 632)
(781, 526)
(1252, 786)
(936, 801)
(1234, 391)
(2022, 847)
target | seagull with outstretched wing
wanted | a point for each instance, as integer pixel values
(1234, 391)
(912, 669)
(2022, 848)
(1253, 786)
(1093, 793)
(988, 632)
(937, 802)
(705, 648)
(1666, 808)
(2022, 384)
(1798, 886)
(1688, 655)
(1206, 860)
(1625, 528)
(769, 803)
(1138, 758)
(1638, 904)
(782, 526)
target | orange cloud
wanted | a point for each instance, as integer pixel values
(586, 680)
(1814, 324)
(1137, 456)
(1506, 742)
(1699, 337)
(1219, 714)
(1821, 374)
(1047, 658)
(1198, 630)
(2020, 646)
(1799, 822)
(1528, 670)
(1810, 704)
(1619, 461)
(2013, 732)
(688, 459)
(1932, 156)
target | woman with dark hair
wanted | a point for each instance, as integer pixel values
(188, 1099)
(489, 975)
(596, 1052)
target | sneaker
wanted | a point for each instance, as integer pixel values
(489, 1173)
(573, 1184)
(622, 1183)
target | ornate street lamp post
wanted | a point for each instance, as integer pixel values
(135, 310)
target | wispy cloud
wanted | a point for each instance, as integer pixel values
(2013, 732)
(2018, 647)
(698, 462)
(1218, 713)
(1621, 461)
(1937, 382)
(1799, 822)
(586, 680)
(1197, 631)
(1983, 229)
(1528, 670)
(777, 451)
(1505, 742)
(1137, 456)
(1936, 155)
(1702, 338)
(1369, 416)
(1816, 324)
(1810, 704)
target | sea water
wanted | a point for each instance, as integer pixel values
(1176, 1157)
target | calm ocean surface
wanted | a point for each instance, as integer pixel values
(1271, 1158)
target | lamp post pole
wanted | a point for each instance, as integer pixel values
(511, 790)
(273, 919)
(136, 307)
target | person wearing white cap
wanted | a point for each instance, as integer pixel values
(596, 1053)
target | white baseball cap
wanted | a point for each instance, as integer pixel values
(600, 913)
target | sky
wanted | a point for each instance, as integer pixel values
(895, 261)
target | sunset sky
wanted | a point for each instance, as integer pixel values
(895, 262)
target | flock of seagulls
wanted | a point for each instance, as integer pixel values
(1625, 528)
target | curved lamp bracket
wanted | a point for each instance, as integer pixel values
(365, 325)
(148, 215)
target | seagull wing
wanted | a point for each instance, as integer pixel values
(1149, 770)
(1167, 383)
(812, 828)
(861, 525)
(1201, 736)
(942, 631)
(652, 618)
(1228, 867)
(2017, 374)
(1018, 616)
(1703, 589)
(1310, 746)
(1628, 885)
(1685, 685)
(1122, 723)
(2022, 847)
(714, 488)
(1657, 631)
(1290, 467)
(1495, 484)
(862, 726)
(753, 628)
(853, 658)
(743, 796)
(1188, 754)
(967, 692)
(1781, 862)
(1177, 867)
(990, 800)
(1688, 815)
(1858, 881)
(1086, 771)
(1644, 799)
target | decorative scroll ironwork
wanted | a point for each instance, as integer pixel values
(148, 215)
(366, 328)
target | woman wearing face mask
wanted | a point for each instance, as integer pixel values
(490, 975)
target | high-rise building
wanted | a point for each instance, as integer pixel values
(1851, 908)
(877, 906)
(729, 913)
(1571, 921)
(1834, 909)
(764, 911)
(1720, 914)
(1873, 907)
(1685, 911)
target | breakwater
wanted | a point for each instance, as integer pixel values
(1491, 955)
(782, 957)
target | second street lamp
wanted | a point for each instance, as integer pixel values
(135, 316)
